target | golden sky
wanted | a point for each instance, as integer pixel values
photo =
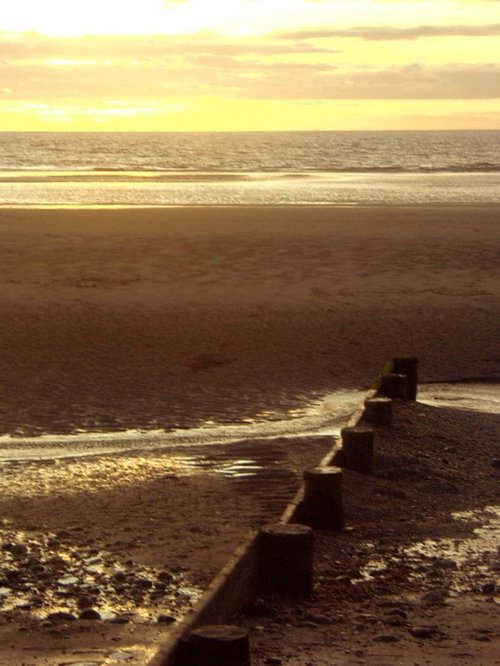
(249, 64)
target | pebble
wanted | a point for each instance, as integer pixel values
(435, 597)
(85, 601)
(144, 582)
(120, 576)
(61, 616)
(89, 614)
(422, 632)
(166, 619)
(386, 638)
(444, 563)
(19, 550)
(166, 577)
(319, 618)
(488, 588)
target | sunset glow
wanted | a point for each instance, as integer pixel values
(249, 65)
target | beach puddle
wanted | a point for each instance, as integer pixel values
(469, 564)
(323, 415)
(474, 396)
(318, 416)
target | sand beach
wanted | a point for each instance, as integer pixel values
(170, 318)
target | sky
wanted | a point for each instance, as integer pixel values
(242, 65)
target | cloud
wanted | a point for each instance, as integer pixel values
(217, 74)
(34, 67)
(33, 46)
(385, 33)
(410, 82)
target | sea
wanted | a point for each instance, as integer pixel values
(101, 169)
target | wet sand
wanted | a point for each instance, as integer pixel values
(161, 318)
(171, 318)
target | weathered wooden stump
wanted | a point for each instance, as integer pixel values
(286, 559)
(394, 385)
(322, 504)
(214, 645)
(357, 448)
(407, 365)
(378, 411)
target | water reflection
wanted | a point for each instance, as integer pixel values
(318, 416)
(469, 561)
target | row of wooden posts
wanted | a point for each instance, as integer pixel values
(286, 549)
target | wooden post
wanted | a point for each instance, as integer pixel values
(286, 559)
(378, 411)
(214, 645)
(394, 385)
(408, 365)
(322, 504)
(357, 449)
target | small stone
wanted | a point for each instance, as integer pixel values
(435, 597)
(12, 576)
(19, 550)
(275, 661)
(61, 616)
(399, 612)
(422, 632)
(395, 622)
(120, 576)
(85, 601)
(488, 588)
(119, 619)
(166, 577)
(166, 619)
(319, 618)
(444, 563)
(144, 582)
(369, 618)
(89, 614)
(386, 638)
(63, 534)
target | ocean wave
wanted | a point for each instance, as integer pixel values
(118, 174)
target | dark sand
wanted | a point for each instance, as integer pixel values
(413, 579)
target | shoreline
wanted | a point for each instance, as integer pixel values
(256, 206)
